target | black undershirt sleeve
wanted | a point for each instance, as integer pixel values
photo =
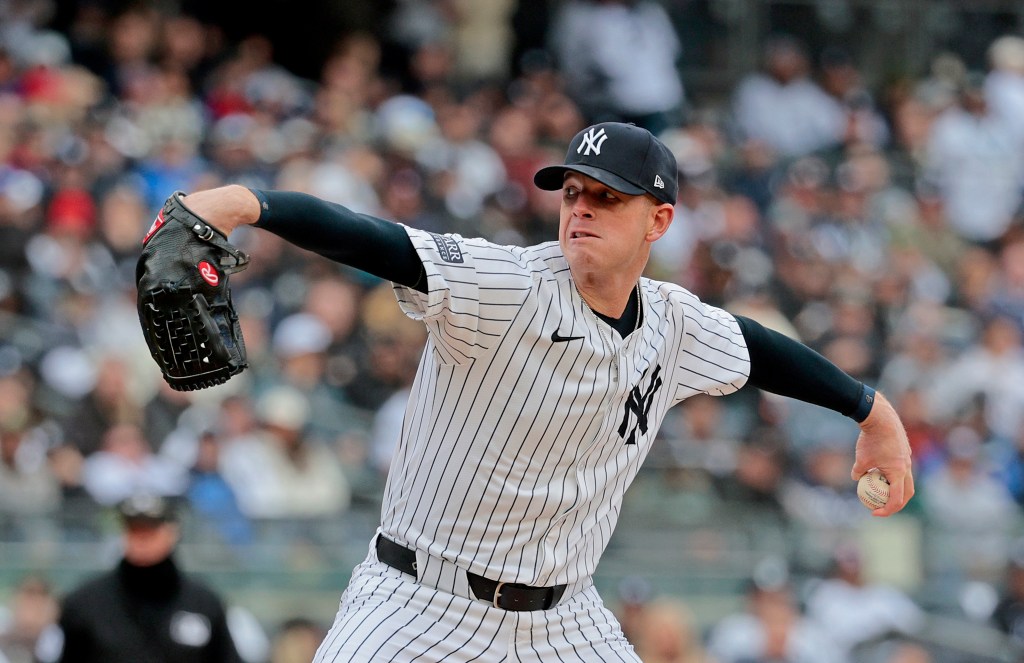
(376, 246)
(780, 365)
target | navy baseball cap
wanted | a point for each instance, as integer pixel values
(147, 508)
(625, 157)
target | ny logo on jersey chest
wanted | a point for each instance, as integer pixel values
(639, 406)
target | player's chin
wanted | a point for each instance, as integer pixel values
(583, 248)
(581, 260)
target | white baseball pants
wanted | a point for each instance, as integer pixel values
(386, 615)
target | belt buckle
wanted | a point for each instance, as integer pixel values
(497, 594)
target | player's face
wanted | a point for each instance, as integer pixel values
(146, 544)
(604, 229)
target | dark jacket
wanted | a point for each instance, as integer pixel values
(145, 615)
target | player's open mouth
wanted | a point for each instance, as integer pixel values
(579, 235)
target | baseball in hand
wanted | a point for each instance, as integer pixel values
(873, 489)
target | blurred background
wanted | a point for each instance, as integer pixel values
(851, 175)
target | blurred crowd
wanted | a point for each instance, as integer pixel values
(882, 227)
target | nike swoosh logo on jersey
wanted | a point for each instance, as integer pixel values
(562, 339)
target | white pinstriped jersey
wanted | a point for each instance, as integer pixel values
(516, 449)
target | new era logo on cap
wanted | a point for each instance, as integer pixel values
(624, 157)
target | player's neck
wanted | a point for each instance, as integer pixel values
(607, 289)
(630, 319)
(607, 299)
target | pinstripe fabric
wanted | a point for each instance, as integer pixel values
(387, 616)
(517, 448)
(510, 463)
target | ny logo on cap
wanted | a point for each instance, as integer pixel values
(592, 141)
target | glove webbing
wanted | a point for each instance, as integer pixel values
(182, 326)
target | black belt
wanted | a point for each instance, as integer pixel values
(506, 595)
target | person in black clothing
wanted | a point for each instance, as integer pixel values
(146, 610)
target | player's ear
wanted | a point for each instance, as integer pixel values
(661, 218)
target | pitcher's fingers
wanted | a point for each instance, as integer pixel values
(908, 487)
(900, 492)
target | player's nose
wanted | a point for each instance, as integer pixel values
(581, 208)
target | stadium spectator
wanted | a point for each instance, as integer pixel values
(27, 486)
(483, 39)
(212, 499)
(976, 271)
(820, 494)
(918, 353)
(974, 157)
(296, 641)
(395, 346)
(700, 211)
(988, 375)
(668, 634)
(908, 652)
(1006, 296)
(162, 413)
(633, 592)
(771, 627)
(392, 346)
(461, 169)
(277, 471)
(756, 487)
(924, 250)
(334, 300)
(857, 613)
(973, 515)
(1004, 83)
(783, 107)
(513, 133)
(841, 79)
(130, 42)
(696, 450)
(300, 345)
(619, 61)
(125, 464)
(27, 623)
(110, 402)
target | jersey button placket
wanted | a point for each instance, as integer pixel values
(607, 342)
